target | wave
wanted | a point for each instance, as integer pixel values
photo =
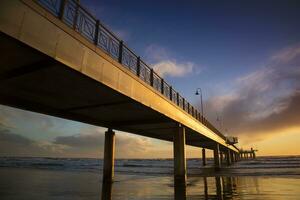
(265, 165)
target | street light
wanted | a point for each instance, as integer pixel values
(197, 93)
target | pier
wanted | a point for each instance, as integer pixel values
(63, 62)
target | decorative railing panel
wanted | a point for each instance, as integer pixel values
(186, 106)
(166, 90)
(174, 96)
(129, 59)
(108, 43)
(69, 13)
(51, 5)
(86, 25)
(180, 102)
(157, 82)
(145, 73)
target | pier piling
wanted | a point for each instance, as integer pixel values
(109, 156)
(203, 157)
(228, 157)
(179, 156)
(217, 157)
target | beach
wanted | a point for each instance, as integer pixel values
(264, 178)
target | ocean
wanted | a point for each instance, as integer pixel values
(76, 178)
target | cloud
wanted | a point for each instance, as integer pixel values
(127, 145)
(165, 65)
(16, 145)
(264, 102)
(7, 137)
(90, 144)
(172, 68)
(122, 34)
(10, 116)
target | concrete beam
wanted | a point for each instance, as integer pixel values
(109, 156)
(179, 156)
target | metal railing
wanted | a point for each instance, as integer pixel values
(79, 19)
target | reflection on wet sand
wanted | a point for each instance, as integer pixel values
(204, 188)
(106, 191)
(225, 189)
(68, 185)
(180, 192)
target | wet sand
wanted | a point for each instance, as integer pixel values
(37, 184)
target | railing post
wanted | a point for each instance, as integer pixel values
(162, 86)
(138, 66)
(76, 14)
(177, 97)
(171, 93)
(120, 52)
(151, 77)
(183, 103)
(96, 32)
(62, 9)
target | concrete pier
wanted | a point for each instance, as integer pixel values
(221, 157)
(203, 157)
(179, 156)
(228, 157)
(231, 156)
(109, 156)
(217, 157)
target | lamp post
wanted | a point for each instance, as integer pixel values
(197, 93)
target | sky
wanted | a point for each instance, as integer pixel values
(244, 55)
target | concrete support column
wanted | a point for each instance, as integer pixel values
(232, 156)
(221, 157)
(109, 156)
(217, 157)
(228, 157)
(203, 157)
(179, 156)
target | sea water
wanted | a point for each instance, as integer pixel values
(76, 178)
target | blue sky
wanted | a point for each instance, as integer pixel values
(225, 39)
(245, 55)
